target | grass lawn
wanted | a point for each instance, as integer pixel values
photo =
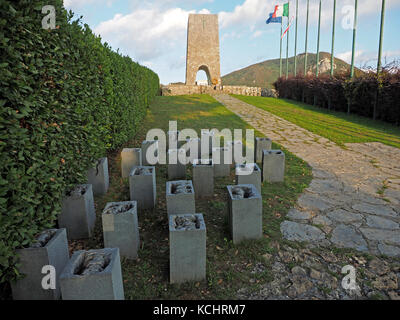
(229, 267)
(338, 127)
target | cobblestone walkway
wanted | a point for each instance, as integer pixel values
(353, 200)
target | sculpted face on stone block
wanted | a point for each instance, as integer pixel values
(247, 167)
(142, 171)
(78, 191)
(272, 151)
(43, 238)
(119, 208)
(91, 263)
(181, 187)
(187, 222)
(240, 192)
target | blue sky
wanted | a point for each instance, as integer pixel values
(153, 32)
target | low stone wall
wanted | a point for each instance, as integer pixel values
(242, 90)
(177, 90)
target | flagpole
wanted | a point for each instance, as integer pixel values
(379, 67)
(333, 38)
(287, 45)
(280, 57)
(306, 53)
(354, 39)
(319, 34)
(295, 42)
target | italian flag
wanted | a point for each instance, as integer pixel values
(281, 11)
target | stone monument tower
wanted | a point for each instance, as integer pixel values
(203, 48)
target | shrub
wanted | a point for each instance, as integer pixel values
(65, 99)
(339, 93)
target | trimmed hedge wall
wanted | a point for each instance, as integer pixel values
(65, 99)
(339, 93)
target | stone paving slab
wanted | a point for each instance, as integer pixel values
(353, 200)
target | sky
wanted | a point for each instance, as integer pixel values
(153, 32)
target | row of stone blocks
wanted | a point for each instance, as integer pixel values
(142, 181)
(120, 228)
(188, 246)
(78, 214)
(204, 172)
(135, 157)
(87, 275)
(204, 146)
(142, 185)
(121, 237)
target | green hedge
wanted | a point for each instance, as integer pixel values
(65, 100)
(339, 93)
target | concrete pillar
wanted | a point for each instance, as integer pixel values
(149, 150)
(236, 148)
(203, 178)
(121, 229)
(273, 166)
(193, 145)
(180, 197)
(176, 170)
(98, 177)
(220, 154)
(172, 139)
(93, 275)
(260, 145)
(51, 249)
(130, 157)
(249, 173)
(207, 141)
(142, 187)
(187, 238)
(245, 212)
(78, 215)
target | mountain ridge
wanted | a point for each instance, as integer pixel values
(264, 74)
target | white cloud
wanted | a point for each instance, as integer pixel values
(230, 35)
(249, 13)
(146, 34)
(369, 58)
(358, 55)
(73, 4)
(204, 11)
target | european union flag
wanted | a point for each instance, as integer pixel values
(273, 20)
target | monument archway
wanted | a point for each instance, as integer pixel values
(203, 70)
(203, 48)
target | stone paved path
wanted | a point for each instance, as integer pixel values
(353, 200)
